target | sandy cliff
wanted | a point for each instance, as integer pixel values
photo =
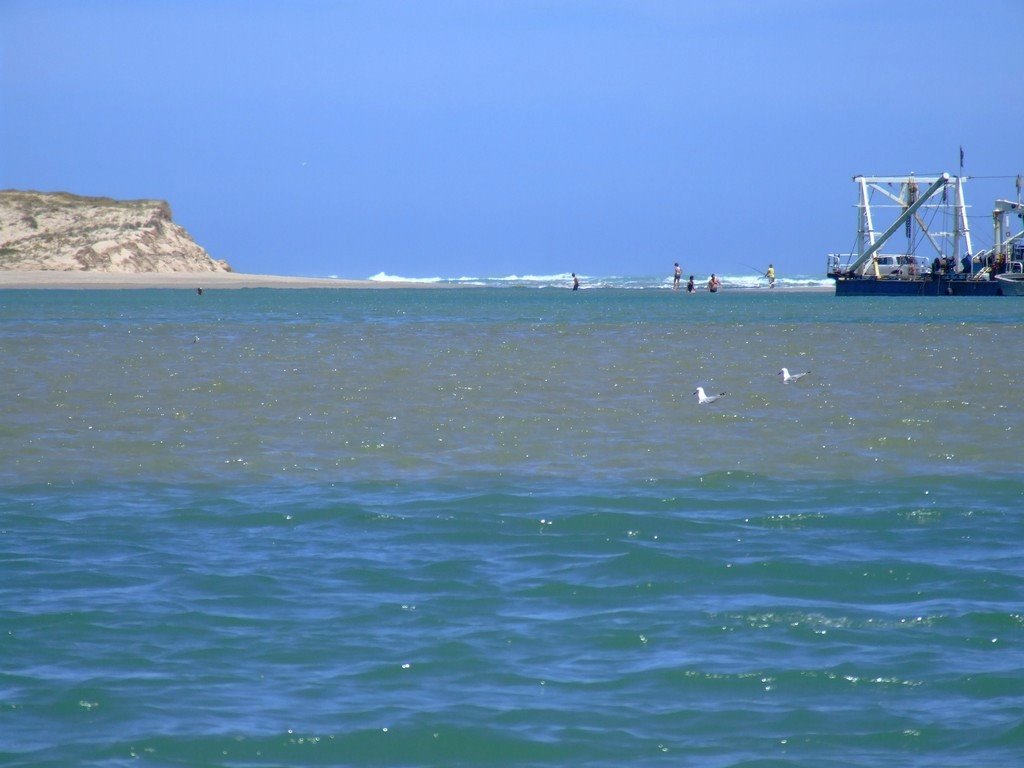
(63, 232)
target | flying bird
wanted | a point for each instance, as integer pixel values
(703, 399)
(788, 377)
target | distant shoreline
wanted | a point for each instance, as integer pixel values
(90, 280)
(187, 280)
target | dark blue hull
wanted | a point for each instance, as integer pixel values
(923, 286)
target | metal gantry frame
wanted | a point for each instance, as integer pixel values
(869, 242)
(1002, 238)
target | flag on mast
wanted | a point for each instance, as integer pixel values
(961, 157)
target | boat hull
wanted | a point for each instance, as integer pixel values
(1012, 285)
(924, 286)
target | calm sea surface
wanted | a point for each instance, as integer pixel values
(465, 527)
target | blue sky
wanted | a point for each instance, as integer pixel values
(475, 138)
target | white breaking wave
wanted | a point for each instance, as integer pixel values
(754, 282)
(383, 277)
(564, 280)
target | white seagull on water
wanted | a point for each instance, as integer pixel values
(788, 377)
(703, 399)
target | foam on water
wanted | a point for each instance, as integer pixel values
(628, 282)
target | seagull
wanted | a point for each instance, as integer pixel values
(788, 377)
(195, 339)
(703, 399)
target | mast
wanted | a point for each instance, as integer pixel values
(961, 229)
(865, 226)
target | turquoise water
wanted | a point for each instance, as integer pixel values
(461, 527)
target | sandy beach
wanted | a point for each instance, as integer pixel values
(190, 280)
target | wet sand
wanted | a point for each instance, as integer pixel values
(191, 280)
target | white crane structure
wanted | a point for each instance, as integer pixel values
(911, 204)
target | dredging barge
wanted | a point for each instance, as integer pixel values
(951, 268)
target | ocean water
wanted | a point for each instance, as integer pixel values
(469, 527)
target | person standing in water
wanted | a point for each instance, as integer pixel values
(770, 274)
(690, 287)
(575, 282)
(714, 283)
(677, 277)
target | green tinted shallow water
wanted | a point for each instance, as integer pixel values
(341, 385)
(465, 527)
